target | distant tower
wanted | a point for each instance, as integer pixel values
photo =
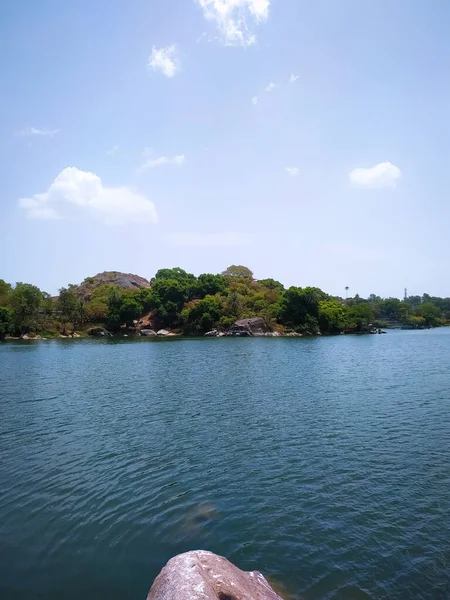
(406, 294)
(346, 291)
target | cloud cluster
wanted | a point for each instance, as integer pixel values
(75, 193)
(164, 60)
(28, 131)
(233, 18)
(160, 161)
(380, 176)
(293, 171)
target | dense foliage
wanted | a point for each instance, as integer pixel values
(194, 305)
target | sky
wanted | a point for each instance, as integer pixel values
(306, 140)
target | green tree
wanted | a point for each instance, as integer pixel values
(333, 316)
(209, 285)
(113, 319)
(68, 303)
(5, 322)
(25, 302)
(200, 316)
(238, 271)
(234, 304)
(271, 284)
(5, 293)
(300, 307)
(130, 310)
(168, 297)
(429, 312)
(362, 314)
(175, 274)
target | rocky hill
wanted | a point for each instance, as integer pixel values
(122, 280)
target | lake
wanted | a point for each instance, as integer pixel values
(324, 463)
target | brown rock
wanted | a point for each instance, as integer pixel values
(202, 575)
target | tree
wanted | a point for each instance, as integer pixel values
(201, 316)
(5, 293)
(238, 271)
(5, 321)
(175, 274)
(429, 312)
(168, 297)
(362, 314)
(300, 307)
(209, 285)
(234, 304)
(114, 306)
(271, 284)
(333, 316)
(393, 309)
(68, 303)
(130, 310)
(25, 302)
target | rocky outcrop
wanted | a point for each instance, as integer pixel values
(122, 280)
(99, 332)
(147, 333)
(255, 326)
(202, 575)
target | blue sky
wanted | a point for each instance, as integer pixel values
(306, 140)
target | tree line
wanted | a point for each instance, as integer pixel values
(193, 305)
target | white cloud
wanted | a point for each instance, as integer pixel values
(382, 175)
(76, 193)
(206, 240)
(293, 78)
(255, 100)
(113, 150)
(270, 87)
(160, 161)
(294, 171)
(36, 131)
(232, 18)
(164, 60)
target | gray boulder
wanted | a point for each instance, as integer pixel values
(256, 326)
(99, 332)
(147, 333)
(202, 575)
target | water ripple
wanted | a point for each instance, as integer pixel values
(323, 463)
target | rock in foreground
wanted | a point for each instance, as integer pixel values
(202, 575)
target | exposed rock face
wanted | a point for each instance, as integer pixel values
(147, 333)
(255, 326)
(99, 332)
(123, 280)
(202, 575)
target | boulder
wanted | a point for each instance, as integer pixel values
(99, 332)
(76, 335)
(163, 332)
(147, 332)
(256, 326)
(201, 575)
(213, 333)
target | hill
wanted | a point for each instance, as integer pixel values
(125, 281)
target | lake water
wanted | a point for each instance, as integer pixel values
(324, 463)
